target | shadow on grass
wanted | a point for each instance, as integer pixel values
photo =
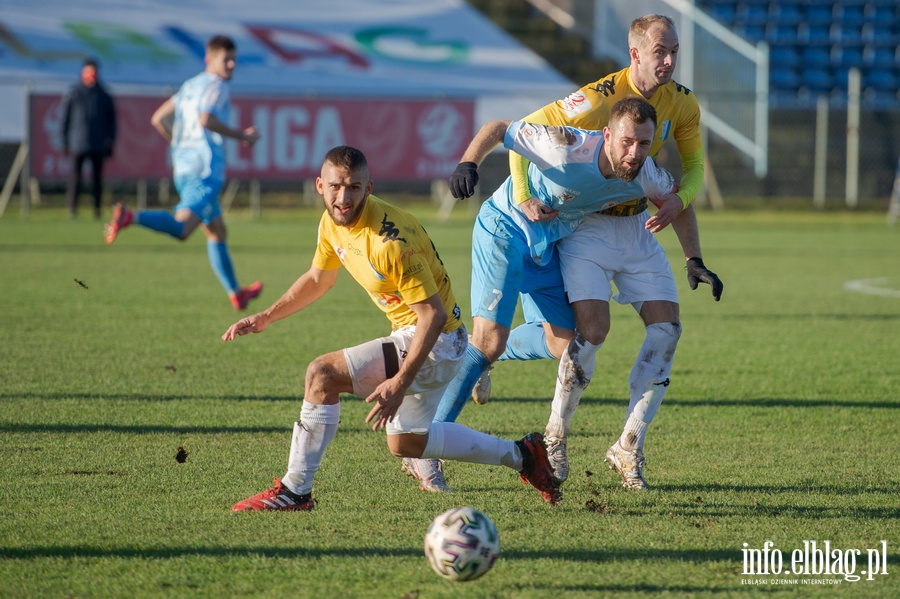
(592, 556)
(140, 429)
(756, 402)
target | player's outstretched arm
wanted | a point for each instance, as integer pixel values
(465, 177)
(311, 286)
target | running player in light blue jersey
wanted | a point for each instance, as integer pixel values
(194, 120)
(573, 173)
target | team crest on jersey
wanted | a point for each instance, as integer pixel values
(575, 104)
(665, 129)
(341, 253)
(389, 299)
(567, 196)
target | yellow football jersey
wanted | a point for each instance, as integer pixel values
(677, 112)
(391, 256)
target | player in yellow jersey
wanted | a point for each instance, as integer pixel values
(404, 374)
(586, 259)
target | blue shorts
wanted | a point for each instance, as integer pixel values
(200, 196)
(502, 268)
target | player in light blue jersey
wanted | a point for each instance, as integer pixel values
(573, 174)
(195, 121)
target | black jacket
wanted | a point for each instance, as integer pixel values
(88, 120)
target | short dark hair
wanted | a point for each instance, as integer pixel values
(635, 108)
(220, 42)
(90, 61)
(347, 157)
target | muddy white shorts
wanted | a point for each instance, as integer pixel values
(608, 249)
(375, 361)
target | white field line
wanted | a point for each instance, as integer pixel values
(871, 287)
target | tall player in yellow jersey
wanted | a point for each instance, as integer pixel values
(404, 374)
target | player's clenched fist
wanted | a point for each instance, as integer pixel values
(463, 180)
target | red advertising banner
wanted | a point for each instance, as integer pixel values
(404, 139)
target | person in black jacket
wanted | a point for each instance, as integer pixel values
(88, 132)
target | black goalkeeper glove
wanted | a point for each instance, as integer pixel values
(698, 273)
(463, 180)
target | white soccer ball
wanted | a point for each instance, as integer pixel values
(462, 544)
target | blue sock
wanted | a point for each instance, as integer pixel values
(460, 389)
(221, 265)
(159, 220)
(527, 342)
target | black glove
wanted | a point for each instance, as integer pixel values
(698, 273)
(463, 180)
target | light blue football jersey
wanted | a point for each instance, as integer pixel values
(195, 150)
(564, 175)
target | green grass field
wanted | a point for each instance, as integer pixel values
(781, 425)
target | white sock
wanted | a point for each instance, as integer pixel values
(649, 380)
(317, 427)
(576, 368)
(452, 441)
(633, 434)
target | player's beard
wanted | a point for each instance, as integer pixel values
(626, 173)
(346, 219)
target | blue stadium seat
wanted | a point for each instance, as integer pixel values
(783, 78)
(849, 56)
(880, 57)
(778, 32)
(784, 55)
(816, 56)
(723, 12)
(818, 14)
(816, 33)
(850, 15)
(816, 80)
(753, 32)
(753, 12)
(881, 80)
(842, 33)
(878, 33)
(785, 12)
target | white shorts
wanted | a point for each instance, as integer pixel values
(375, 361)
(607, 249)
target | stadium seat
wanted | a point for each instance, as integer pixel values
(841, 33)
(816, 80)
(816, 56)
(787, 13)
(879, 57)
(848, 56)
(881, 80)
(819, 14)
(783, 55)
(723, 12)
(778, 32)
(756, 13)
(753, 32)
(817, 33)
(783, 78)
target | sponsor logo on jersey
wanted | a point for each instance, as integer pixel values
(681, 89)
(607, 87)
(389, 231)
(575, 103)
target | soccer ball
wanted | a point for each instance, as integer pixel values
(462, 544)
